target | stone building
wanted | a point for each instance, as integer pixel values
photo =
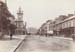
(46, 27)
(5, 18)
(61, 26)
(43, 29)
(65, 27)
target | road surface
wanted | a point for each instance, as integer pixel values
(43, 44)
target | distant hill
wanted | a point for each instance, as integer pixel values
(31, 30)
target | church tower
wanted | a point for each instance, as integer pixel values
(19, 22)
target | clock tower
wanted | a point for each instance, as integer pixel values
(19, 22)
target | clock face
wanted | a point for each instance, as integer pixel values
(19, 16)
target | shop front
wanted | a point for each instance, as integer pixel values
(67, 32)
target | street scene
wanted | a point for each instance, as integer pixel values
(37, 26)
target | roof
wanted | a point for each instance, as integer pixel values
(67, 19)
(70, 18)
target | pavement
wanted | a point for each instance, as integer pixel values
(7, 45)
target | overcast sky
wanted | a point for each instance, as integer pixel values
(36, 12)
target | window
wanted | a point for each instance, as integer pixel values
(63, 25)
(69, 23)
(74, 22)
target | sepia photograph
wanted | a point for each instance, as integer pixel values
(37, 25)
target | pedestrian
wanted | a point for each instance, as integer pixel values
(73, 36)
(11, 36)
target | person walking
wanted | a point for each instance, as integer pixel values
(11, 36)
(73, 36)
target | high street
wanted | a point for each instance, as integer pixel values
(37, 26)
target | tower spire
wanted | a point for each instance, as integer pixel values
(20, 14)
(19, 9)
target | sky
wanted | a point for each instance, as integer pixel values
(37, 12)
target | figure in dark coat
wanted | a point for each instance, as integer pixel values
(11, 36)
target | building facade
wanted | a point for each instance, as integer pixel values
(66, 27)
(5, 16)
(47, 28)
(61, 26)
